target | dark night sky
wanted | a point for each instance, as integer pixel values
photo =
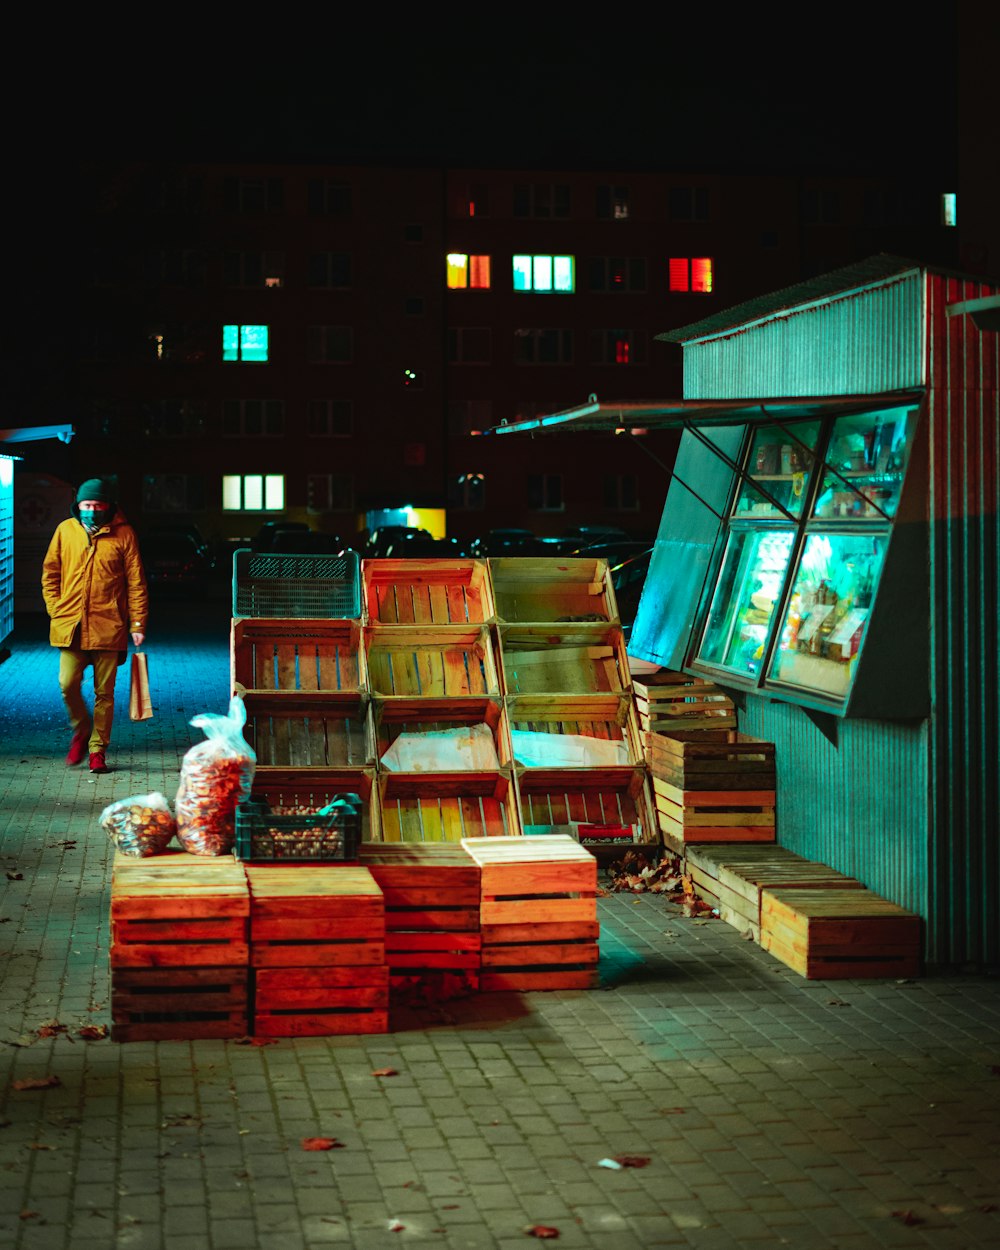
(863, 91)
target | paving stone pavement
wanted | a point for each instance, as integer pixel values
(773, 1111)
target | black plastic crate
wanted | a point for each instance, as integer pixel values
(267, 584)
(302, 837)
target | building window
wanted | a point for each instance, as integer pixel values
(329, 492)
(544, 274)
(253, 418)
(469, 345)
(688, 204)
(254, 269)
(246, 343)
(691, 274)
(467, 272)
(330, 418)
(479, 200)
(329, 197)
(173, 194)
(949, 209)
(176, 418)
(174, 266)
(172, 492)
(253, 195)
(467, 492)
(613, 203)
(617, 273)
(545, 493)
(821, 207)
(253, 492)
(331, 270)
(618, 347)
(330, 344)
(470, 416)
(543, 347)
(541, 199)
(620, 493)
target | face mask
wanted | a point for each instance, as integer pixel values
(91, 519)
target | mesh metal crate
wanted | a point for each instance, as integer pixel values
(271, 833)
(268, 584)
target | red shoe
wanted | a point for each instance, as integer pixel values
(97, 764)
(77, 747)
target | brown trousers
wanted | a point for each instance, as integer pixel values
(72, 663)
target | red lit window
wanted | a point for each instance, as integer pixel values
(701, 275)
(679, 280)
(691, 274)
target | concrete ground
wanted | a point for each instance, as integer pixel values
(759, 1109)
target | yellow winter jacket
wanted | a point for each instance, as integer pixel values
(96, 582)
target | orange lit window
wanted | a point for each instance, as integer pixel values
(467, 272)
(691, 274)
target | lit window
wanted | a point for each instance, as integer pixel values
(618, 347)
(613, 202)
(691, 275)
(545, 274)
(468, 272)
(247, 343)
(949, 209)
(253, 492)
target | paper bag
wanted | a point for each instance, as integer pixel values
(140, 706)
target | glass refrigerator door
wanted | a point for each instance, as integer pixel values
(869, 453)
(824, 628)
(753, 572)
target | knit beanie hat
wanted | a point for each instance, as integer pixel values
(95, 488)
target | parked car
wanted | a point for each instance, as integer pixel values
(306, 542)
(380, 541)
(506, 542)
(174, 561)
(262, 540)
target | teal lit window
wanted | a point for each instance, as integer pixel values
(545, 274)
(247, 343)
(949, 209)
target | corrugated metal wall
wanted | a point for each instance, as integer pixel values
(964, 859)
(859, 805)
(870, 340)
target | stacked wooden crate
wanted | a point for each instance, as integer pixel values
(567, 689)
(432, 932)
(538, 913)
(178, 947)
(317, 950)
(667, 701)
(712, 785)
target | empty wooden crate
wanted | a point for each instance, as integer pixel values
(668, 700)
(687, 816)
(427, 592)
(563, 659)
(552, 588)
(711, 759)
(430, 662)
(607, 807)
(310, 731)
(538, 913)
(289, 657)
(446, 807)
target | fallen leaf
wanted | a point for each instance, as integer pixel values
(632, 1161)
(321, 1143)
(28, 1215)
(40, 1145)
(747, 935)
(15, 876)
(37, 1082)
(92, 1032)
(543, 1231)
(51, 1028)
(613, 1164)
(395, 1226)
(385, 1072)
(671, 1111)
(989, 1207)
(455, 1206)
(907, 1217)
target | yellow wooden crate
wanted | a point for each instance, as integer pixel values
(430, 662)
(310, 731)
(446, 807)
(589, 804)
(669, 701)
(290, 657)
(552, 588)
(398, 715)
(563, 659)
(605, 719)
(427, 592)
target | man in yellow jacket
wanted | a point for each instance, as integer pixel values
(96, 596)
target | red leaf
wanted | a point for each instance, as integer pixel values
(52, 1028)
(632, 1161)
(671, 1111)
(321, 1143)
(907, 1217)
(29, 1215)
(37, 1082)
(544, 1231)
(92, 1032)
(385, 1072)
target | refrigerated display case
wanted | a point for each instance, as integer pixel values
(805, 556)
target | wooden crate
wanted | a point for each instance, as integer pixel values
(178, 910)
(311, 916)
(320, 1001)
(733, 877)
(289, 657)
(587, 804)
(711, 759)
(840, 934)
(446, 807)
(425, 662)
(687, 816)
(606, 718)
(165, 1004)
(552, 588)
(427, 592)
(670, 701)
(398, 715)
(563, 659)
(538, 913)
(315, 787)
(310, 731)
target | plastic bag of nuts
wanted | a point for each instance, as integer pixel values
(216, 776)
(140, 826)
